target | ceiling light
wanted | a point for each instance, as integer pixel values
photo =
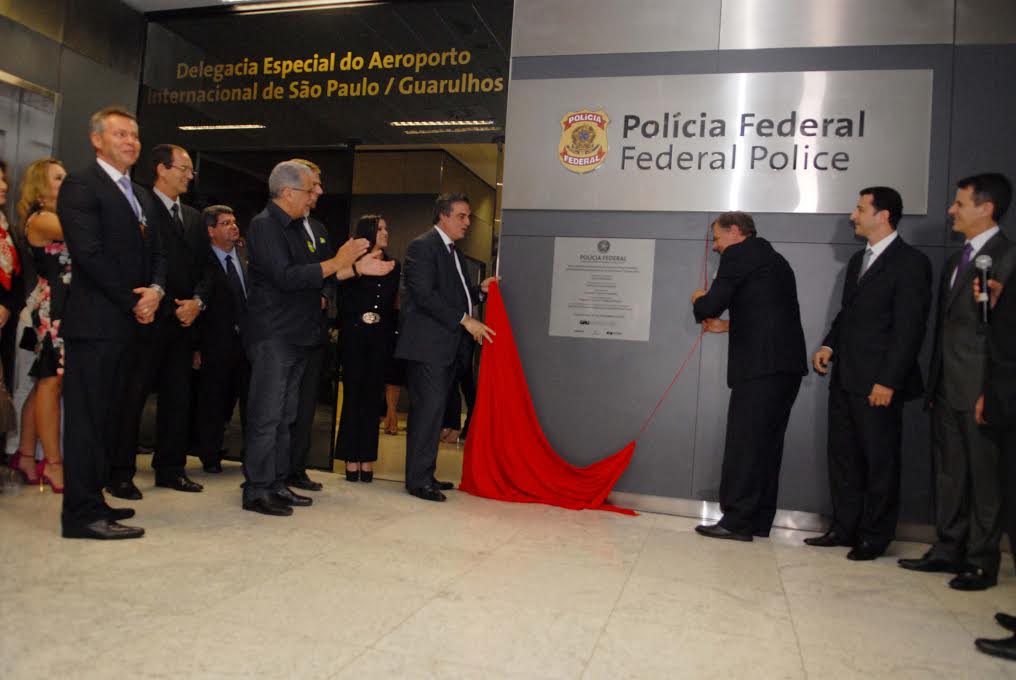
(225, 126)
(439, 131)
(438, 123)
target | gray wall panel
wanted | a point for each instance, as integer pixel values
(29, 55)
(86, 88)
(579, 66)
(762, 24)
(985, 22)
(608, 26)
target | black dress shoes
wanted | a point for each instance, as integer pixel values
(178, 483)
(125, 490)
(428, 493)
(973, 579)
(103, 530)
(266, 506)
(829, 539)
(213, 468)
(716, 531)
(302, 481)
(442, 486)
(1005, 648)
(1006, 621)
(864, 552)
(931, 564)
(117, 514)
(286, 497)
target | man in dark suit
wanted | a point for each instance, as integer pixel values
(224, 372)
(873, 344)
(436, 329)
(765, 363)
(116, 284)
(967, 502)
(283, 322)
(320, 245)
(996, 411)
(162, 363)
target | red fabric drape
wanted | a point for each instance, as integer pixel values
(507, 456)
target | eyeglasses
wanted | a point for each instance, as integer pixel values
(186, 169)
(309, 191)
(227, 223)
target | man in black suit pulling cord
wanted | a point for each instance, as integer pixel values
(967, 503)
(163, 360)
(283, 322)
(117, 283)
(436, 327)
(873, 344)
(765, 363)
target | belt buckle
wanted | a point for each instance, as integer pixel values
(370, 318)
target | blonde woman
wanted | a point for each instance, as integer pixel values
(37, 210)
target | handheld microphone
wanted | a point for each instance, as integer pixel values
(983, 265)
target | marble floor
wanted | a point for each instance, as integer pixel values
(373, 583)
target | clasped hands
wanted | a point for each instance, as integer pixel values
(711, 325)
(146, 306)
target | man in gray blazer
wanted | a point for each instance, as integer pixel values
(967, 512)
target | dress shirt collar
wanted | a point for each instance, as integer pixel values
(222, 254)
(881, 246)
(168, 202)
(444, 237)
(978, 241)
(113, 173)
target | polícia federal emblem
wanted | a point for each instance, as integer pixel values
(583, 144)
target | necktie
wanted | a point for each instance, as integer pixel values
(965, 257)
(235, 285)
(177, 220)
(125, 183)
(866, 262)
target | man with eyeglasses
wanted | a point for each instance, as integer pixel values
(162, 363)
(283, 323)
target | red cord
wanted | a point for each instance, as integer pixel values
(691, 353)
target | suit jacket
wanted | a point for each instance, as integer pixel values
(758, 286)
(1000, 372)
(111, 256)
(285, 282)
(877, 334)
(324, 250)
(217, 325)
(186, 256)
(957, 361)
(432, 302)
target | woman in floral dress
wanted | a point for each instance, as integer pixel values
(37, 208)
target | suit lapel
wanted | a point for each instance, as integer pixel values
(965, 281)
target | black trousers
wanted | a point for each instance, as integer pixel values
(967, 490)
(276, 370)
(223, 379)
(864, 466)
(94, 380)
(465, 381)
(306, 408)
(757, 418)
(1006, 440)
(365, 349)
(162, 365)
(428, 396)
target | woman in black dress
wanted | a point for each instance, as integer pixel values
(368, 318)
